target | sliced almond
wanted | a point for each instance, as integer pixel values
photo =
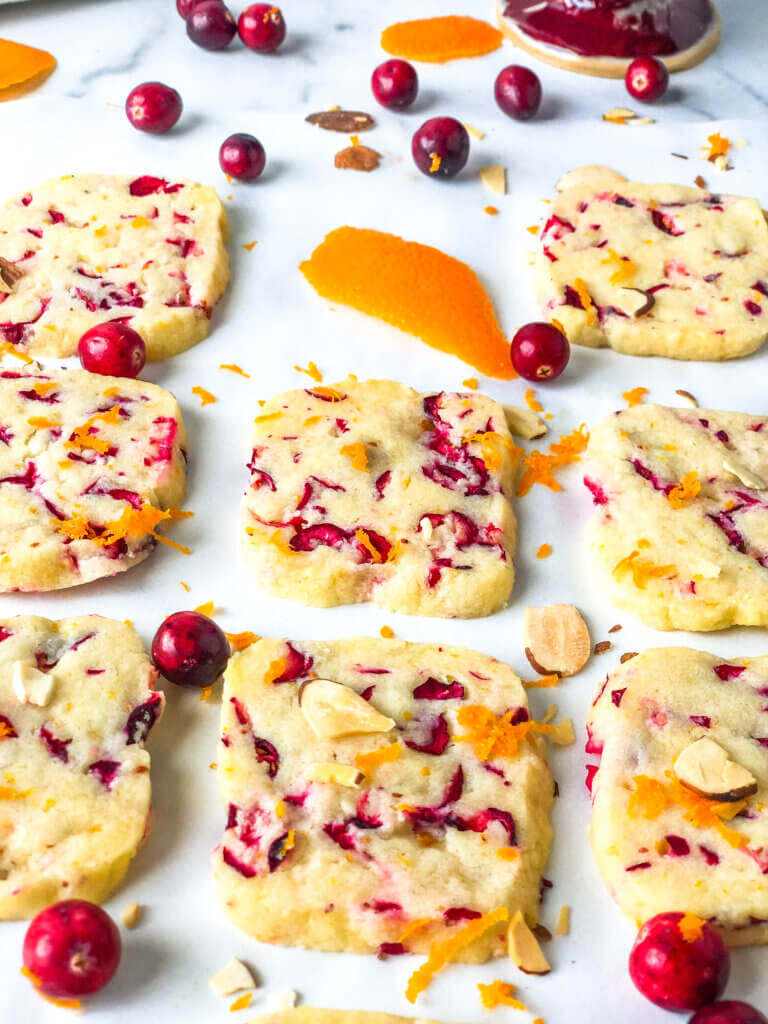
(235, 977)
(30, 685)
(495, 179)
(523, 947)
(708, 570)
(596, 176)
(131, 915)
(637, 121)
(333, 710)
(342, 120)
(9, 275)
(618, 115)
(563, 735)
(563, 926)
(524, 422)
(341, 774)
(706, 768)
(556, 639)
(635, 302)
(722, 163)
(283, 1000)
(476, 133)
(687, 398)
(743, 473)
(357, 158)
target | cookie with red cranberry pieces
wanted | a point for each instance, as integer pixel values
(77, 702)
(89, 248)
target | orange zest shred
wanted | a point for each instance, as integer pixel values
(82, 436)
(250, 245)
(242, 1002)
(491, 210)
(44, 387)
(234, 368)
(507, 853)
(208, 608)
(471, 383)
(356, 453)
(239, 641)
(206, 692)
(499, 993)
(387, 632)
(66, 1004)
(491, 735)
(539, 465)
(5, 730)
(20, 64)
(492, 445)
(132, 523)
(172, 543)
(685, 491)
(691, 927)
(363, 538)
(718, 146)
(651, 797)
(368, 763)
(642, 570)
(7, 348)
(625, 268)
(42, 422)
(311, 370)
(184, 585)
(206, 398)
(417, 925)
(274, 670)
(441, 952)
(414, 287)
(330, 394)
(543, 683)
(580, 287)
(267, 416)
(530, 401)
(437, 40)
(544, 551)
(635, 396)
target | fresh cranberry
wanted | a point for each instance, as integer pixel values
(518, 92)
(440, 147)
(72, 948)
(242, 157)
(729, 1011)
(185, 7)
(112, 349)
(211, 25)
(153, 107)
(646, 79)
(262, 27)
(190, 649)
(675, 971)
(540, 352)
(395, 84)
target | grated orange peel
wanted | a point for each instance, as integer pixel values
(437, 40)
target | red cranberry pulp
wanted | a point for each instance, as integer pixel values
(518, 92)
(112, 349)
(211, 25)
(190, 649)
(72, 948)
(440, 147)
(614, 28)
(153, 107)
(540, 352)
(729, 1011)
(395, 84)
(242, 157)
(646, 79)
(262, 27)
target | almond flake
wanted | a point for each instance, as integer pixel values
(30, 685)
(357, 158)
(721, 162)
(281, 1001)
(523, 948)
(594, 176)
(687, 398)
(524, 423)
(603, 646)
(563, 926)
(627, 656)
(131, 915)
(563, 735)
(476, 133)
(618, 115)
(235, 977)
(333, 710)
(341, 774)
(494, 178)
(706, 768)
(743, 473)
(9, 275)
(346, 121)
(556, 639)
(637, 121)
(635, 302)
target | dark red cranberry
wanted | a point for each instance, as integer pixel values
(242, 157)
(153, 107)
(190, 649)
(115, 350)
(395, 84)
(185, 7)
(729, 1011)
(262, 27)
(518, 92)
(646, 79)
(72, 949)
(440, 147)
(540, 352)
(211, 25)
(678, 970)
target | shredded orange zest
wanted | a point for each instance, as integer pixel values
(387, 632)
(368, 763)
(718, 146)
(691, 927)
(507, 853)
(417, 925)
(206, 692)
(280, 809)
(172, 543)
(275, 670)
(434, 163)
(267, 416)
(545, 550)
(635, 396)
(9, 793)
(11, 350)
(580, 287)
(83, 438)
(533, 229)
(241, 1002)
(544, 683)
(539, 465)
(42, 422)
(239, 641)
(530, 401)
(357, 454)
(490, 210)
(471, 383)
(365, 540)
(329, 393)
(625, 267)
(5, 730)
(499, 993)
(642, 570)
(415, 287)
(491, 450)
(132, 522)
(20, 64)
(208, 608)
(685, 491)
(442, 952)
(234, 368)
(311, 370)
(66, 1004)
(250, 245)
(44, 387)
(184, 585)
(651, 797)
(206, 398)
(437, 40)
(492, 735)
(556, 323)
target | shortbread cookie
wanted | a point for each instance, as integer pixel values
(88, 467)
(659, 844)
(88, 248)
(680, 530)
(656, 270)
(77, 701)
(369, 491)
(359, 819)
(311, 1015)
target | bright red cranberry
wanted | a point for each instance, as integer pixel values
(153, 107)
(440, 147)
(185, 7)
(242, 157)
(262, 27)
(540, 352)
(676, 969)
(72, 948)
(395, 84)
(729, 1011)
(190, 649)
(518, 92)
(211, 25)
(646, 79)
(115, 350)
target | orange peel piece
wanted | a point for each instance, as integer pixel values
(437, 40)
(20, 64)
(414, 287)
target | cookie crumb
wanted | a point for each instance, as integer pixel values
(131, 915)
(235, 977)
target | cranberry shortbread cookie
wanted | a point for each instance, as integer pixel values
(380, 793)
(87, 248)
(680, 817)
(77, 701)
(680, 529)
(89, 467)
(311, 1015)
(656, 269)
(369, 491)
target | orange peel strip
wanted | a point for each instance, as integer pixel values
(20, 63)
(437, 40)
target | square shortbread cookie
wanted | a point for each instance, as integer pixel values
(658, 845)
(369, 491)
(87, 466)
(344, 841)
(94, 247)
(77, 701)
(656, 270)
(680, 530)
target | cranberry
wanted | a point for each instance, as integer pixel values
(395, 84)
(211, 25)
(190, 649)
(185, 7)
(646, 79)
(262, 27)
(153, 107)
(518, 92)
(675, 971)
(112, 349)
(72, 948)
(540, 352)
(440, 147)
(242, 157)
(730, 1011)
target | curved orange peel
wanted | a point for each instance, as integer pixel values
(437, 40)
(20, 64)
